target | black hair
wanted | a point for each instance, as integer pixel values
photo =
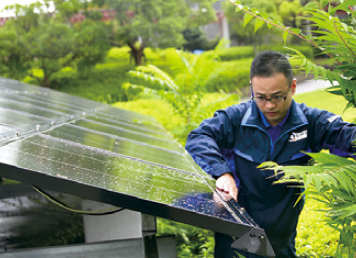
(267, 63)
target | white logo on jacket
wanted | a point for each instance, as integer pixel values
(298, 136)
(333, 118)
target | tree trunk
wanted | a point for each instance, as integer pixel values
(46, 82)
(137, 53)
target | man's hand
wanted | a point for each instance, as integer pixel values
(227, 184)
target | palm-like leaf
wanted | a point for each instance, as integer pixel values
(183, 92)
(154, 77)
(333, 181)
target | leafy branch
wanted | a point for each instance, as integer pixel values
(333, 37)
(263, 18)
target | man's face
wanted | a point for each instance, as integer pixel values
(269, 87)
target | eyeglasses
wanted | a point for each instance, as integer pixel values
(274, 99)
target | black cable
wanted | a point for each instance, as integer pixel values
(66, 207)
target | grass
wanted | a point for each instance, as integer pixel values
(327, 101)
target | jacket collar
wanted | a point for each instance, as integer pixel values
(296, 117)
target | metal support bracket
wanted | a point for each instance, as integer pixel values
(150, 246)
(254, 241)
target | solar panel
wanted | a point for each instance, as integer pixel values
(89, 149)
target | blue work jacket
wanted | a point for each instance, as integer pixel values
(235, 141)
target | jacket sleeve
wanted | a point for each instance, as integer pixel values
(214, 135)
(329, 131)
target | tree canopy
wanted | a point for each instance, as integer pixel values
(36, 39)
(155, 23)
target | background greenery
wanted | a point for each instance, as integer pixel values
(97, 60)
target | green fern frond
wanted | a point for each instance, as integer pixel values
(204, 112)
(153, 73)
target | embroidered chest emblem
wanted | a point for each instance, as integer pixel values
(298, 136)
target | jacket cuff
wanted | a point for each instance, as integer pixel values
(220, 170)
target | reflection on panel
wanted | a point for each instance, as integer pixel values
(132, 135)
(31, 109)
(15, 118)
(101, 169)
(121, 146)
(115, 113)
(141, 128)
(45, 103)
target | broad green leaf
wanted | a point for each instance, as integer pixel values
(346, 210)
(346, 28)
(258, 24)
(317, 182)
(264, 15)
(343, 197)
(255, 10)
(348, 105)
(344, 181)
(345, 6)
(315, 71)
(347, 66)
(300, 197)
(247, 18)
(295, 30)
(268, 165)
(350, 171)
(342, 50)
(311, 6)
(324, 178)
(330, 159)
(324, 3)
(308, 67)
(285, 35)
(307, 181)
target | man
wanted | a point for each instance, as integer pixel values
(270, 127)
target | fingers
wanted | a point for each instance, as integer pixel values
(227, 184)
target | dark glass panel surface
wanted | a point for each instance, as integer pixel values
(122, 146)
(5, 129)
(147, 124)
(29, 108)
(122, 175)
(100, 169)
(29, 99)
(208, 203)
(122, 114)
(13, 85)
(47, 95)
(140, 128)
(19, 119)
(120, 132)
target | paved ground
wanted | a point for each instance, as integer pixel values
(311, 85)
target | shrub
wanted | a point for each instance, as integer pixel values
(235, 75)
(103, 83)
(234, 53)
(118, 54)
(243, 52)
(191, 241)
(305, 50)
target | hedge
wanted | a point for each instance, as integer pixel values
(243, 52)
